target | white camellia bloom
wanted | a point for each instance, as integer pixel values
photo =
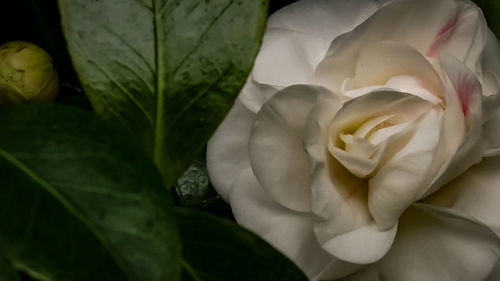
(364, 144)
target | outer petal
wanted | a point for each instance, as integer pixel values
(474, 143)
(369, 273)
(288, 57)
(289, 231)
(377, 63)
(436, 244)
(443, 25)
(491, 66)
(465, 39)
(337, 269)
(326, 19)
(276, 151)
(495, 273)
(285, 58)
(491, 88)
(492, 131)
(227, 152)
(255, 94)
(475, 193)
(453, 129)
(296, 41)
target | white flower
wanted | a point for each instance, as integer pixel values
(351, 147)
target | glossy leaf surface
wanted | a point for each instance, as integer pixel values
(168, 71)
(79, 196)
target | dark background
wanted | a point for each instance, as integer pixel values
(277, 4)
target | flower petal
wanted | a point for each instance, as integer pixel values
(326, 19)
(464, 250)
(227, 151)
(255, 94)
(344, 227)
(357, 113)
(494, 273)
(426, 26)
(288, 57)
(379, 62)
(475, 193)
(402, 107)
(296, 40)
(464, 37)
(288, 231)
(412, 85)
(491, 89)
(369, 273)
(351, 94)
(399, 181)
(474, 143)
(337, 269)
(453, 130)
(342, 221)
(436, 244)
(276, 151)
(491, 66)
(492, 131)
(366, 240)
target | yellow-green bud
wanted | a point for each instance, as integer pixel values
(26, 74)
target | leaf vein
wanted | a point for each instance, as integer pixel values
(124, 230)
(91, 225)
(201, 95)
(51, 189)
(123, 90)
(190, 270)
(144, 5)
(163, 6)
(33, 214)
(159, 85)
(131, 197)
(202, 38)
(134, 50)
(143, 81)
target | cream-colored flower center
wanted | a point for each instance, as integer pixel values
(363, 151)
(363, 144)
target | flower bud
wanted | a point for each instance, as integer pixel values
(26, 74)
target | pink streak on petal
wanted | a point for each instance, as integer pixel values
(442, 36)
(465, 89)
(351, 193)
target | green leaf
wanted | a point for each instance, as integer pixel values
(7, 271)
(44, 240)
(218, 249)
(169, 71)
(79, 199)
